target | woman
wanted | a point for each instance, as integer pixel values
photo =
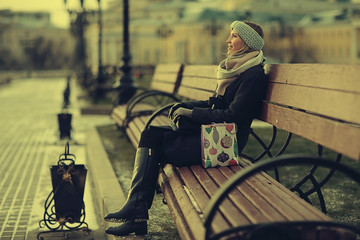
(240, 89)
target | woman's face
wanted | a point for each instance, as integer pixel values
(235, 43)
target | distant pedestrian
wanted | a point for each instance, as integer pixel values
(240, 90)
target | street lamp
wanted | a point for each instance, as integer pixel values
(78, 22)
(126, 88)
(98, 89)
(213, 29)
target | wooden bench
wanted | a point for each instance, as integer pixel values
(318, 102)
(164, 85)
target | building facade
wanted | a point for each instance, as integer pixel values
(194, 32)
(336, 43)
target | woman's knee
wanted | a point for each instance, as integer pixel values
(151, 138)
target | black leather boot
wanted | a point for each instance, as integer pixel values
(139, 228)
(141, 194)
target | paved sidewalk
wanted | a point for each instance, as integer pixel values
(29, 143)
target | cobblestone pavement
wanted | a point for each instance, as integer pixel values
(29, 143)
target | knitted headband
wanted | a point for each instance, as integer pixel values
(248, 35)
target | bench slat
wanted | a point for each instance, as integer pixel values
(321, 101)
(311, 212)
(285, 203)
(327, 76)
(198, 82)
(119, 112)
(189, 212)
(136, 126)
(163, 86)
(132, 133)
(202, 198)
(205, 84)
(340, 137)
(175, 210)
(202, 71)
(270, 195)
(192, 93)
(250, 201)
(229, 211)
(165, 77)
(160, 121)
(167, 68)
(283, 200)
(238, 199)
(315, 214)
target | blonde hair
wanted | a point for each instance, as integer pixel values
(245, 49)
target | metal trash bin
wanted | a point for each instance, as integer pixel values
(65, 207)
(64, 120)
(68, 183)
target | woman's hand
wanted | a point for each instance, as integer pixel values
(173, 108)
(181, 112)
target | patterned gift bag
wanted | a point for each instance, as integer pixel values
(219, 145)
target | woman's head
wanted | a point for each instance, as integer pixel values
(245, 37)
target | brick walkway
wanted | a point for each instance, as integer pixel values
(28, 145)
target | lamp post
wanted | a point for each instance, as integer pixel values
(98, 87)
(78, 22)
(126, 88)
(213, 29)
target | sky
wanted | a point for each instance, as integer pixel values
(59, 14)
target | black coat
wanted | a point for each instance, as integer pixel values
(240, 104)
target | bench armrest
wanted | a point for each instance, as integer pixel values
(157, 113)
(145, 95)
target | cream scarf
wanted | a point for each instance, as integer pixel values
(230, 68)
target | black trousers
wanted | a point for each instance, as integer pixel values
(176, 148)
(181, 148)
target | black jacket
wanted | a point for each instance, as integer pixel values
(241, 101)
(240, 104)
